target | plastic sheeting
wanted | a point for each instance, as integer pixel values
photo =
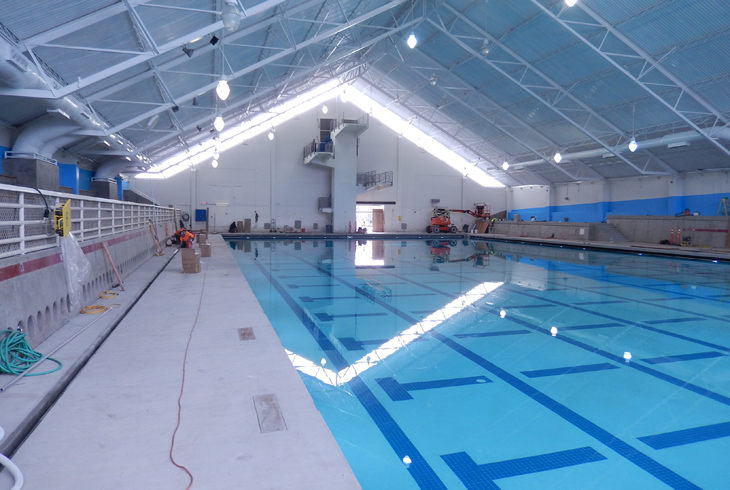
(78, 269)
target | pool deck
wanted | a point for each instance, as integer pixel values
(112, 427)
(107, 419)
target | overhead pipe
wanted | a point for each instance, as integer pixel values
(664, 141)
(50, 148)
(111, 168)
(17, 72)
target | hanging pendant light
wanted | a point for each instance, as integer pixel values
(219, 124)
(223, 90)
(558, 157)
(412, 41)
(230, 15)
(633, 145)
(505, 166)
(214, 163)
(570, 3)
(271, 135)
(325, 110)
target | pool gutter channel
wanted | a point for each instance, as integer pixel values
(633, 247)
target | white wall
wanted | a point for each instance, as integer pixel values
(244, 180)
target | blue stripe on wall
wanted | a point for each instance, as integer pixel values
(705, 204)
(85, 179)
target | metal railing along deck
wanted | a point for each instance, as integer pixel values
(24, 229)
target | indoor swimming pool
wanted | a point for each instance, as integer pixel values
(477, 365)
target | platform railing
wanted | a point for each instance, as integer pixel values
(370, 179)
(24, 229)
(340, 121)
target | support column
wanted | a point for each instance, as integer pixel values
(551, 202)
(675, 200)
(509, 201)
(605, 200)
(344, 183)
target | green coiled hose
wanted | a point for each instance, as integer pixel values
(16, 355)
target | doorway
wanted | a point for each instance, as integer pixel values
(371, 217)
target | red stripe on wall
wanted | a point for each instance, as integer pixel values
(16, 270)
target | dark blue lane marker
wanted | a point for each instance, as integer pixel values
(687, 436)
(399, 391)
(683, 357)
(640, 459)
(308, 299)
(324, 343)
(643, 325)
(481, 476)
(351, 344)
(423, 312)
(419, 469)
(673, 320)
(674, 298)
(491, 334)
(521, 307)
(622, 448)
(540, 373)
(328, 318)
(586, 303)
(588, 327)
(297, 286)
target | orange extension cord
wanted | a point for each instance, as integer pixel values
(182, 385)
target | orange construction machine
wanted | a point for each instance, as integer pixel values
(441, 218)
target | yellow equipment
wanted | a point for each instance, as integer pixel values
(62, 219)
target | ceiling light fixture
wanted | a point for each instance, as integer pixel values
(505, 166)
(214, 163)
(271, 135)
(570, 3)
(230, 15)
(325, 110)
(412, 41)
(153, 121)
(633, 145)
(433, 80)
(223, 90)
(558, 157)
(188, 51)
(216, 155)
(485, 45)
(219, 123)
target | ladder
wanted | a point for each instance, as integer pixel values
(724, 207)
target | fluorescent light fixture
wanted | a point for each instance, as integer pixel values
(325, 110)
(505, 166)
(271, 135)
(678, 144)
(412, 41)
(153, 121)
(214, 163)
(219, 124)
(633, 145)
(558, 157)
(223, 90)
(264, 122)
(570, 3)
(128, 159)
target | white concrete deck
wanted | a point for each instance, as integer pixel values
(113, 427)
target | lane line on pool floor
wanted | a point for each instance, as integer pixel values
(622, 448)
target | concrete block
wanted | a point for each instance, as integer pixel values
(32, 173)
(205, 250)
(107, 190)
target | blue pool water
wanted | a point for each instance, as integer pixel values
(503, 366)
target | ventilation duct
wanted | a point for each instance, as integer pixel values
(66, 114)
(665, 141)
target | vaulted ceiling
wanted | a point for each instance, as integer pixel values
(513, 81)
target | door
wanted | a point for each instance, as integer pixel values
(378, 220)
